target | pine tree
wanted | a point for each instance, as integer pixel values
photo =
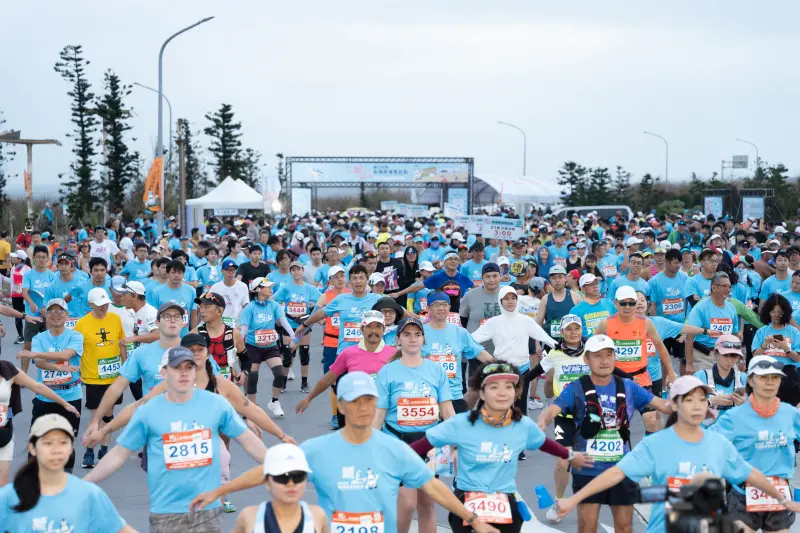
(599, 187)
(79, 190)
(120, 162)
(6, 156)
(572, 179)
(646, 193)
(249, 166)
(226, 144)
(622, 186)
(196, 180)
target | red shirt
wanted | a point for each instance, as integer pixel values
(23, 240)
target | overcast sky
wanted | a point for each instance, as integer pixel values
(385, 78)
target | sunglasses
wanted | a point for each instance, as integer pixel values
(627, 303)
(370, 255)
(294, 477)
(730, 345)
(777, 365)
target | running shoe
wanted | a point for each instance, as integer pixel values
(290, 377)
(552, 515)
(275, 408)
(334, 423)
(534, 403)
(227, 506)
(102, 453)
(522, 456)
(19, 340)
(305, 388)
(88, 459)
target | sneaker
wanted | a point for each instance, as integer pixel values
(227, 506)
(88, 459)
(102, 453)
(334, 423)
(552, 515)
(522, 456)
(19, 340)
(276, 409)
(305, 388)
(534, 404)
(290, 376)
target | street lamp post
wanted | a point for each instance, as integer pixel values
(758, 159)
(524, 146)
(169, 106)
(160, 142)
(666, 145)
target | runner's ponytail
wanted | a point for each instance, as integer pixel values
(212, 380)
(27, 486)
(395, 356)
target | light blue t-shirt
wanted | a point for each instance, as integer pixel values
(150, 285)
(137, 271)
(772, 285)
(794, 300)
(445, 347)
(666, 329)
(434, 255)
(81, 295)
(665, 455)
(261, 316)
(473, 270)
(37, 283)
(208, 275)
(321, 276)
(593, 314)
(765, 443)
(703, 376)
(297, 300)
(487, 455)
(280, 280)
(183, 296)
(639, 285)
(707, 315)
(81, 507)
(144, 363)
(669, 296)
(350, 309)
(420, 387)
(65, 384)
(173, 487)
(59, 289)
(363, 478)
(190, 274)
(418, 297)
(790, 334)
(698, 286)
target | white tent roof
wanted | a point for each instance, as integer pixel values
(230, 193)
(521, 187)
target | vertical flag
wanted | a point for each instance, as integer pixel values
(152, 186)
(27, 177)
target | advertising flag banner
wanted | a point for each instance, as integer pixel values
(152, 186)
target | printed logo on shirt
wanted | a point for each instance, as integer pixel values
(673, 291)
(768, 440)
(492, 453)
(44, 525)
(103, 334)
(352, 479)
(411, 389)
(491, 310)
(263, 317)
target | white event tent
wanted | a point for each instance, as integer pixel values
(520, 191)
(230, 194)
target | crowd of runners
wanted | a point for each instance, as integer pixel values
(435, 341)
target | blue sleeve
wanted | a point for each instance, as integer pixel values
(279, 312)
(130, 368)
(691, 287)
(36, 344)
(104, 516)
(639, 462)
(763, 294)
(795, 339)
(758, 338)
(701, 375)
(445, 394)
(736, 320)
(230, 423)
(695, 318)
(566, 400)
(318, 276)
(471, 347)
(641, 396)
(26, 279)
(535, 435)
(415, 473)
(314, 294)
(723, 425)
(673, 329)
(76, 342)
(333, 307)
(431, 282)
(280, 296)
(134, 436)
(444, 433)
(736, 469)
(382, 384)
(654, 296)
(244, 318)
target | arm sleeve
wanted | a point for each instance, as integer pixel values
(553, 448)
(484, 332)
(536, 332)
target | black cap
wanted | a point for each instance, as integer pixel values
(408, 321)
(490, 267)
(168, 305)
(210, 298)
(193, 339)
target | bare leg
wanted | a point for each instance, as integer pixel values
(623, 518)
(406, 505)
(588, 517)
(561, 477)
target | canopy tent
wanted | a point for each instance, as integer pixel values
(231, 194)
(520, 191)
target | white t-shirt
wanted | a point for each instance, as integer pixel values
(236, 297)
(126, 245)
(128, 320)
(145, 320)
(106, 249)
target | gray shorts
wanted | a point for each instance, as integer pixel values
(765, 521)
(31, 330)
(209, 521)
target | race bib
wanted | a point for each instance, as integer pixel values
(672, 306)
(610, 271)
(560, 261)
(723, 325)
(109, 367)
(229, 321)
(454, 318)
(16, 289)
(187, 449)
(606, 446)
(759, 501)
(628, 351)
(423, 302)
(225, 372)
(555, 329)
(265, 337)
(57, 377)
(335, 320)
(3, 415)
(185, 318)
(357, 522)
(417, 411)
(296, 308)
(352, 332)
(70, 323)
(651, 348)
(493, 508)
(447, 362)
(477, 282)
(674, 485)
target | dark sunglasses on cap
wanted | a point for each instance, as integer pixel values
(730, 345)
(777, 365)
(294, 477)
(627, 303)
(370, 255)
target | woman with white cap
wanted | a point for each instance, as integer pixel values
(20, 265)
(678, 453)
(286, 478)
(762, 430)
(44, 497)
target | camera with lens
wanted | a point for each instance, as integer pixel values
(695, 508)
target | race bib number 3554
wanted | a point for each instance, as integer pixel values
(417, 411)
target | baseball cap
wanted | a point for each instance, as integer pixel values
(212, 298)
(175, 356)
(260, 282)
(334, 270)
(129, 230)
(599, 342)
(763, 365)
(686, 384)
(226, 264)
(47, 423)
(376, 278)
(418, 239)
(98, 296)
(66, 257)
(558, 269)
(136, 287)
(20, 254)
(537, 284)
(456, 236)
(438, 296)
(634, 240)
(284, 458)
(426, 266)
(409, 321)
(490, 267)
(297, 264)
(729, 344)
(57, 301)
(780, 229)
(625, 293)
(566, 320)
(586, 279)
(371, 317)
(450, 255)
(193, 339)
(163, 308)
(119, 284)
(354, 385)
(503, 260)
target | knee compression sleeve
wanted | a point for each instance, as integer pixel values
(108, 419)
(305, 355)
(278, 378)
(286, 355)
(252, 382)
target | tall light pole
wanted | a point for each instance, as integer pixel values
(160, 142)
(524, 146)
(758, 160)
(169, 106)
(666, 145)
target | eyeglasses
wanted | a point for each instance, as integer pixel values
(294, 477)
(58, 311)
(724, 287)
(627, 303)
(171, 317)
(494, 367)
(777, 365)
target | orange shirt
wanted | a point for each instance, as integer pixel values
(630, 341)
(330, 337)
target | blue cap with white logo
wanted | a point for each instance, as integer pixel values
(229, 263)
(354, 385)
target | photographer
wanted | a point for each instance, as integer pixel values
(676, 454)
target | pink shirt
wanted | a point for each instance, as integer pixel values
(354, 358)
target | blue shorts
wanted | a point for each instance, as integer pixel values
(328, 357)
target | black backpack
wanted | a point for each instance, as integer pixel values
(589, 428)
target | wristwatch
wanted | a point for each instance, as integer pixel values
(705, 331)
(571, 455)
(23, 316)
(472, 518)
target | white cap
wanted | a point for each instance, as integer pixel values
(137, 287)
(634, 240)
(284, 458)
(625, 293)
(775, 241)
(372, 235)
(780, 229)
(586, 279)
(98, 296)
(503, 260)
(566, 320)
(686, 384)
(376, 278)
(599, 342)
(370, 317)
(665, 244)
(426, 266)
(762, 365)
(557, 269)
(129, 230)
(334, 270)
(260, 282)
(20, 254)
(457, 236)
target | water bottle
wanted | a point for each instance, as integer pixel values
(522, 507)
(543, 498)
